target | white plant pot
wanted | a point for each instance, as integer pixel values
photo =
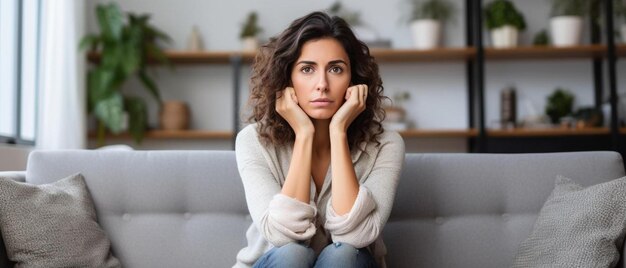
(624, 33)
(566, 30)
(250, 44)
(426, 33)
(504, 37)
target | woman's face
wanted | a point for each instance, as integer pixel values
(320, 77)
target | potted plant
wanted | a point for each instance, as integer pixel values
(427, 18)
(249, 32)
(505, 22)
(125, 46)
(560, 104)
(566, 23)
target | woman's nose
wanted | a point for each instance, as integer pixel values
(322, 83)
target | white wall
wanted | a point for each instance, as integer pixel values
(438, 90)
(13, 158)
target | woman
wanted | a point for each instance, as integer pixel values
(319, 171)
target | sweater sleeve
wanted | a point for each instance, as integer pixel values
(280, 219)
(364, 222)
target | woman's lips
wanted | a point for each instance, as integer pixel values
(322, 102)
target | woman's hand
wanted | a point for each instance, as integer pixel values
(287, 106)
(354, 105)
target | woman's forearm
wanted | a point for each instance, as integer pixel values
(298, 182)
(345, 184)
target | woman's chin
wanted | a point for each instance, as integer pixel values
(317, 115)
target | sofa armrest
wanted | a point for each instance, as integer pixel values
(19, 176)
(15, 175)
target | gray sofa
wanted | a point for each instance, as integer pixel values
(187, 208)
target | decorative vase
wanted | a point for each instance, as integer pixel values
(174, 115)
(194, 42)
(250, 43)
(504, 37)
(508, 108)
(426, 33)
(566, 30)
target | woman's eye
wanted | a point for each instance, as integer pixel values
(336, 69)
(306, 69)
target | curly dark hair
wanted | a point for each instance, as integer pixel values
(271, 74)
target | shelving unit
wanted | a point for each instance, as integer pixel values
(475, 56)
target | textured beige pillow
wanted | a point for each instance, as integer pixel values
(577, 227)
(52, 225)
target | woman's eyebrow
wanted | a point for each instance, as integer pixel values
(314, 63)
(337, 61)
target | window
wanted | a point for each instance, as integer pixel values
(19, 51)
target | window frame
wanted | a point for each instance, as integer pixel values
(16, 138)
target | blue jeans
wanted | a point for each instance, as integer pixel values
(334, 255)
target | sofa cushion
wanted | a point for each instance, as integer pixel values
(52, 225)
(577, 227)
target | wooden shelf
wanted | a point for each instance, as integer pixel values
(175, 134)
(428, 133)
(543, 132)
(412, 55)
(190, 57)
(411, 133)
(545, 52)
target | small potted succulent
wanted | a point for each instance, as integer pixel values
(566, 24)
(250, 31)
(427, 20)
(505, 22)
(560, 104)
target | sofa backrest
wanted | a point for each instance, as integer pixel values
(159, 208)
(187, 208)
(473, 210)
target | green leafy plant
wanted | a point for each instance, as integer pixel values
(560, 104)
(250, 27)
(541, 38)
(441, 10)
(125, 46)
(570, 7)
(353, 18)
(502, 12)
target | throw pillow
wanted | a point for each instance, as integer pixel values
(577, 227)
(52, 225)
